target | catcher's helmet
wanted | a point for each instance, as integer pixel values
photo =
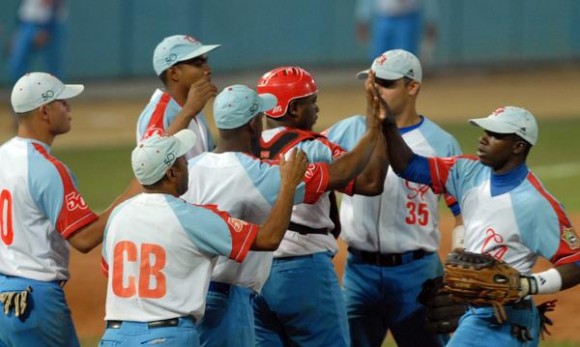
(286, 83)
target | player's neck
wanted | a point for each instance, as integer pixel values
(35, 134)
(407, 119)
(234, 142)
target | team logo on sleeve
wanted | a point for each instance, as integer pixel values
(75, 201)
(237, 224)
(569, 236)
(310, 171)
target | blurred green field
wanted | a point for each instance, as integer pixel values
(104, 172)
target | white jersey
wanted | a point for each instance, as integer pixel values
(161, 111)
(40, 208)
(315, 216)
(246, 187)
(159, 252)
(511, 216)
(404, 217)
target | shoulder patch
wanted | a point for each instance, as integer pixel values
(570, 237)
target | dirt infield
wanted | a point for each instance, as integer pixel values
(111, 120)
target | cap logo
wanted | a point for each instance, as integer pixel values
(410, 73)
(191, 39)
(381, 59)
(254, 109)
(169, 159)
(171, 58)
(49, 94)
(523, 129)
(498, 111)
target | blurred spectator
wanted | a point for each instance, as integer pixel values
(39, 31)
(391, 24)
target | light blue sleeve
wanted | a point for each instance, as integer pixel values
(208, 231)
(348, 132)
(210, 145)
(266, 179)
(316, 151)
(45, 185)
(443, 143)
(538, 221)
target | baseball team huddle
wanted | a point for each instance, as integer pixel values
(231, 243)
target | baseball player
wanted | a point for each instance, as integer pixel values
(182, 65)
(508, 214)
(393, 238)
(41, 213)
(301, 302)
(159, 250)
(238, 113)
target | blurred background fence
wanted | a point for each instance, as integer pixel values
(116, 38)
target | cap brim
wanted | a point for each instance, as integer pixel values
(268, 101)
(186, 138)
(493, 125)
(362, 75)
(70, 91)
(200, 51)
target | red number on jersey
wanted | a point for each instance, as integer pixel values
(418, 213)
(151, 266)
(6, 231)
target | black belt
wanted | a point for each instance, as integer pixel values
(220, 287)
(391, 259)
(172, 322)
(303, 229)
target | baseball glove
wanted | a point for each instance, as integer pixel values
(443, 313)
(480, 279)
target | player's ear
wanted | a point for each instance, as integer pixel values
(293, 108)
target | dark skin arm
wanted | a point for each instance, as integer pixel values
(570, 275)
(352, 164)
(272, 231)
(199, 94)
(91, 235)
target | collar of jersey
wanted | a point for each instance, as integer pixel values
(503, 183)
(412, 127)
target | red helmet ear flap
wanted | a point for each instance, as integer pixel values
(286, 83)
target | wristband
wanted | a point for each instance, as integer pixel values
(548, 282)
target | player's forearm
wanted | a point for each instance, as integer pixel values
(181, 121)
(552, 281)
(91, 235)
(272, 231)
(352, 163)
(399, 152)
(371, 181)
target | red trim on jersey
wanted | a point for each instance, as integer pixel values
(74, 213)
(104, 266)
(449, 200)
(156, 122)
(439, 169)
(316, 181)
(243, 233)
(565, 254)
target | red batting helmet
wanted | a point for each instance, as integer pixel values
(286, 83)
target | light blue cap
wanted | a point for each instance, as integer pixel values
(157, 153)
(176, 48)
(510, 120)
(238, 104)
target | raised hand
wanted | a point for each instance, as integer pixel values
(199, 94)
(292, 170)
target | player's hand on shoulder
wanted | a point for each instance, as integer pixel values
(199, 94)
(293, 168)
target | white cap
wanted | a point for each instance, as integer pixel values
(510, 120)
(40, 88)
(395, 64)
(176, 48)
(154, 155)
(236, 105)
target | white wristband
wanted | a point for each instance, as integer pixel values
(548, 282)
(457, 237)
